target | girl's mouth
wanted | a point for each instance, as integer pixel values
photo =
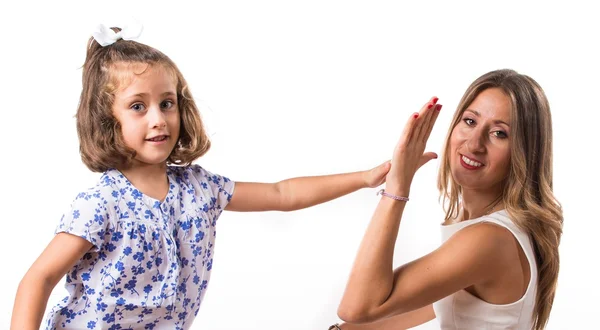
(158, 138)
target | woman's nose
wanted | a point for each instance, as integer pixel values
(476, 142)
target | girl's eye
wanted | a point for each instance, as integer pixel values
(166, 104)
(469, 121)
(137, 107)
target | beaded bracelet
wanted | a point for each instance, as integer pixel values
(398, 198)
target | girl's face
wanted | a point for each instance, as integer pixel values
(148, 112)
(479, 143)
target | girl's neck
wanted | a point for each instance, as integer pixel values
(477, 203)
(151, 180)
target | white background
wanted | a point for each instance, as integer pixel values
(293, 88)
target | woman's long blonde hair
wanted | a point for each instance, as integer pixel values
(527, 194)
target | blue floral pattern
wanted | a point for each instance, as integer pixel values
(151, 261)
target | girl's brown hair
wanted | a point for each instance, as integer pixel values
(527, 193)
(100, 140)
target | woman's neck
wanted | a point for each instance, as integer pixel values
(477, 203)
(151, 180)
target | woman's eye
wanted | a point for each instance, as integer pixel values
(469, 121)
(500, 134)
(137, 107)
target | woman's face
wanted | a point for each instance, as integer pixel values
(479, 143)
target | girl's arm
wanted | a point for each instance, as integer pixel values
(397, 322)
(473, 255)
(299, 193)
(32, 295)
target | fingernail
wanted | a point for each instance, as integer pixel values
(416, 115)
(435, 99)
(429, 106)
(438, 107)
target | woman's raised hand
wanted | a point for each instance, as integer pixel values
(409, 154)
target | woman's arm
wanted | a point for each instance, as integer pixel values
(473, 255)
(32, 295)
(302, 192)
(397, 322)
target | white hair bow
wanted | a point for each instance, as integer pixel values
(106, 36)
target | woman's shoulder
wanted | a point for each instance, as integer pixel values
(481, 247)
(491, 233)
(503, 219)
(495, 234)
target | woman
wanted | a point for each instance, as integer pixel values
(498, 265)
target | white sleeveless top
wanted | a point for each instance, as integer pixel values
(462, 310)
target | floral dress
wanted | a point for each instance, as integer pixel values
(151, 261)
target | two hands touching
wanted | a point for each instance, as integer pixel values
(409, 154)
(374, 258)
(298, 193)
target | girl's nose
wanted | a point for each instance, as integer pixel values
(157, 118)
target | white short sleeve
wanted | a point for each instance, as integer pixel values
(219, 188)
(88, 217)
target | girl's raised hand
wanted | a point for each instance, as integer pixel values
(409, 153)
(376, 176)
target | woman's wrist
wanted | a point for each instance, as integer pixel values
(397, 190)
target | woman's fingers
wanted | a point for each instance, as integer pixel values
(426, 158)
(413, 126)
(419, 125)
(428, 127)
(425, 117)
(409, 128)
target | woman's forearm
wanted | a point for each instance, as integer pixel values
(30, 303)
(371, 279)
(397, 322)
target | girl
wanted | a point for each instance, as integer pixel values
(137, 248)
(498, 266)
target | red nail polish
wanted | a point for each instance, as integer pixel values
(429, 106)
(416, 115)
(435, 99)
(438, 107)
